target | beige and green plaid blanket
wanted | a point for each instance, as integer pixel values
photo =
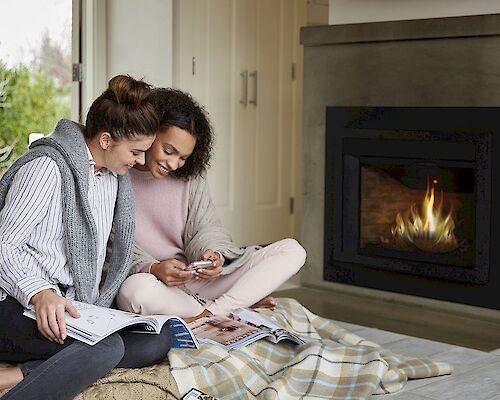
(332, 364)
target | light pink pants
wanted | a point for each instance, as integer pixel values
(266, 270)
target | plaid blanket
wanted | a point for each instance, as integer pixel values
(332, 364)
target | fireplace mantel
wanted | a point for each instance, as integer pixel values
(442, 62)
(418, 29)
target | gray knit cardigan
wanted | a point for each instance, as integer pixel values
(66, 146)
(203, 230)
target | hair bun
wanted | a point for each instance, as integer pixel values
(128, 90)
(124, 110)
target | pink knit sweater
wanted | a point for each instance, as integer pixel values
(161, 208)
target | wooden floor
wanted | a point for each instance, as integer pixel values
(471, 346)
(400, 318)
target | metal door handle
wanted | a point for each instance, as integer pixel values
(254, 76)
(244, 91)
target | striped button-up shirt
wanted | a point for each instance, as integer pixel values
(32, 251)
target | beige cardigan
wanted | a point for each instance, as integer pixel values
(203, 231)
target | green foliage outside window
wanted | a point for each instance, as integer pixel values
(30, 102)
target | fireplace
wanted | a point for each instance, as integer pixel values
(408, 190)
(406, 200)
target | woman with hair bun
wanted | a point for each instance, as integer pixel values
(177, 224)
(58, 204)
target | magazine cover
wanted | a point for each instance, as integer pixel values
(264, 323)
(96, 323)
(239, 329)
(225, 331)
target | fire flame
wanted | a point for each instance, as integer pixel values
(427, 229)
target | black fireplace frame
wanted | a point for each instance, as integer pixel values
(447, 136)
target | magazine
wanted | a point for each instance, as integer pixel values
(96, 323)
(239, 329)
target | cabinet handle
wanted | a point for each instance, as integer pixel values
(244, 91)
(254, 76)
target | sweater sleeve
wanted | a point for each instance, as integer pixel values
(204, 229)
(141, 260)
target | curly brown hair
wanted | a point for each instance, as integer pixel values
(177, 108)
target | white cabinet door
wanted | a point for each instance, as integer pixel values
(235, 57)
(270, 92)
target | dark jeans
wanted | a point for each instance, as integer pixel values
(61, 371)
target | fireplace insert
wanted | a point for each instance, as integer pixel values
(408, 191)
(417, 210)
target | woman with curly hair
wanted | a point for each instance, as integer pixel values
(177, 224)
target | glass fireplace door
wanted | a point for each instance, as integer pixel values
(417, 210)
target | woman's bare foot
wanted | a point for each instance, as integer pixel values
(10, 377)
(205, 313)
(266, 302)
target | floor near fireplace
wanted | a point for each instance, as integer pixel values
(471, 345)
(407, 319)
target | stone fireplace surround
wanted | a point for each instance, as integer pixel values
(443, 62)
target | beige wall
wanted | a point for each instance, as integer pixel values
(139, 39)
(355, 11)
(317, 12)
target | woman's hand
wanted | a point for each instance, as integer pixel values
(216, 269)
(50, 319)
(172, 272)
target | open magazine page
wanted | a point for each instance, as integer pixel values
(96, 323)
(226, 332)
(263, 322)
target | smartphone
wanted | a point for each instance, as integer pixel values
(199, 264)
